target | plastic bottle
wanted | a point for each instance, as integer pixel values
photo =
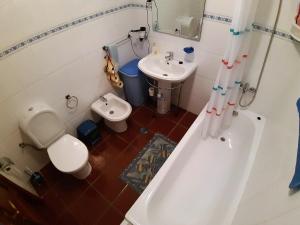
(189, 54)
(154, 49)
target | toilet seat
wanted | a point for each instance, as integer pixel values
(68, 154)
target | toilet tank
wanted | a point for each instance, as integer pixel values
(41, 123)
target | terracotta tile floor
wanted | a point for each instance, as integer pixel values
(103, 198)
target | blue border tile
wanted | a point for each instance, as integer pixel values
(78, 21)
(60, 28)
(218, 18)
(256, 27)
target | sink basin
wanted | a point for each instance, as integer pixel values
(156, 67)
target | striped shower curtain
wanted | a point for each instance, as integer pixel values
(225, 90)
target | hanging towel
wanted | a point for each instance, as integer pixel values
(295, 183)
(111, 70)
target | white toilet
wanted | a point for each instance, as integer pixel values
(47, 131)
(114, 110)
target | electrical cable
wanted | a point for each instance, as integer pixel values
(134, 52)
(148, 32)
(147, 19)
(156, 10)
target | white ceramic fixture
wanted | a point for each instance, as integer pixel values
(157, 67)
(202, 182)
(114, 110)
(166, 72)
(68, 154)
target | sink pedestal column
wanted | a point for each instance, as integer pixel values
(164, 97)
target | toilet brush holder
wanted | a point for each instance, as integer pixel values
(36, 179)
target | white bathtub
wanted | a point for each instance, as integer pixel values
(203, 181)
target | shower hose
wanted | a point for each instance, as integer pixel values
(254, 90)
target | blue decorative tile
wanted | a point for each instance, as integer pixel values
(60, 28)
(218, 18)
(256, 27)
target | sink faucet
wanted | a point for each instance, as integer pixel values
(170, 56)
(103, 99)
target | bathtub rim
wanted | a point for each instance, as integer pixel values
(140, 208)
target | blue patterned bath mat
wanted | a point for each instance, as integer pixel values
(147, 163)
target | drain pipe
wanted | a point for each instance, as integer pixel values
(246, 87)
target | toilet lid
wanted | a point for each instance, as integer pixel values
(68, 154)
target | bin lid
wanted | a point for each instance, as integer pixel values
(86, 127)
(130, 69)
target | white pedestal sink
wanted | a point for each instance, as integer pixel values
(165, 72)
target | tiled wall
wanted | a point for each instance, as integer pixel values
(32, 17)
(210, 49)
(71, 62)
(45, 70)
(267, 200)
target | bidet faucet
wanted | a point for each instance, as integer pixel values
(103, 99)
(170, 56)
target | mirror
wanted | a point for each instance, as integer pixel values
(181, 18)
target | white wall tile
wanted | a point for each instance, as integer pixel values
(267, 199)
(35, 16)
(10, 83)
(270, 159)
(196, 93)
(208, 64)
(267, 204)
(279, 86)
(214, 37)
(22, 158)
(220, 7)
(267, 11)
(10, 112)
(70, 62)
(291, 218)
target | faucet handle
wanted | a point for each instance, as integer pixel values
(170, 53)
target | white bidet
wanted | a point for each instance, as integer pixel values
(114, 110)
